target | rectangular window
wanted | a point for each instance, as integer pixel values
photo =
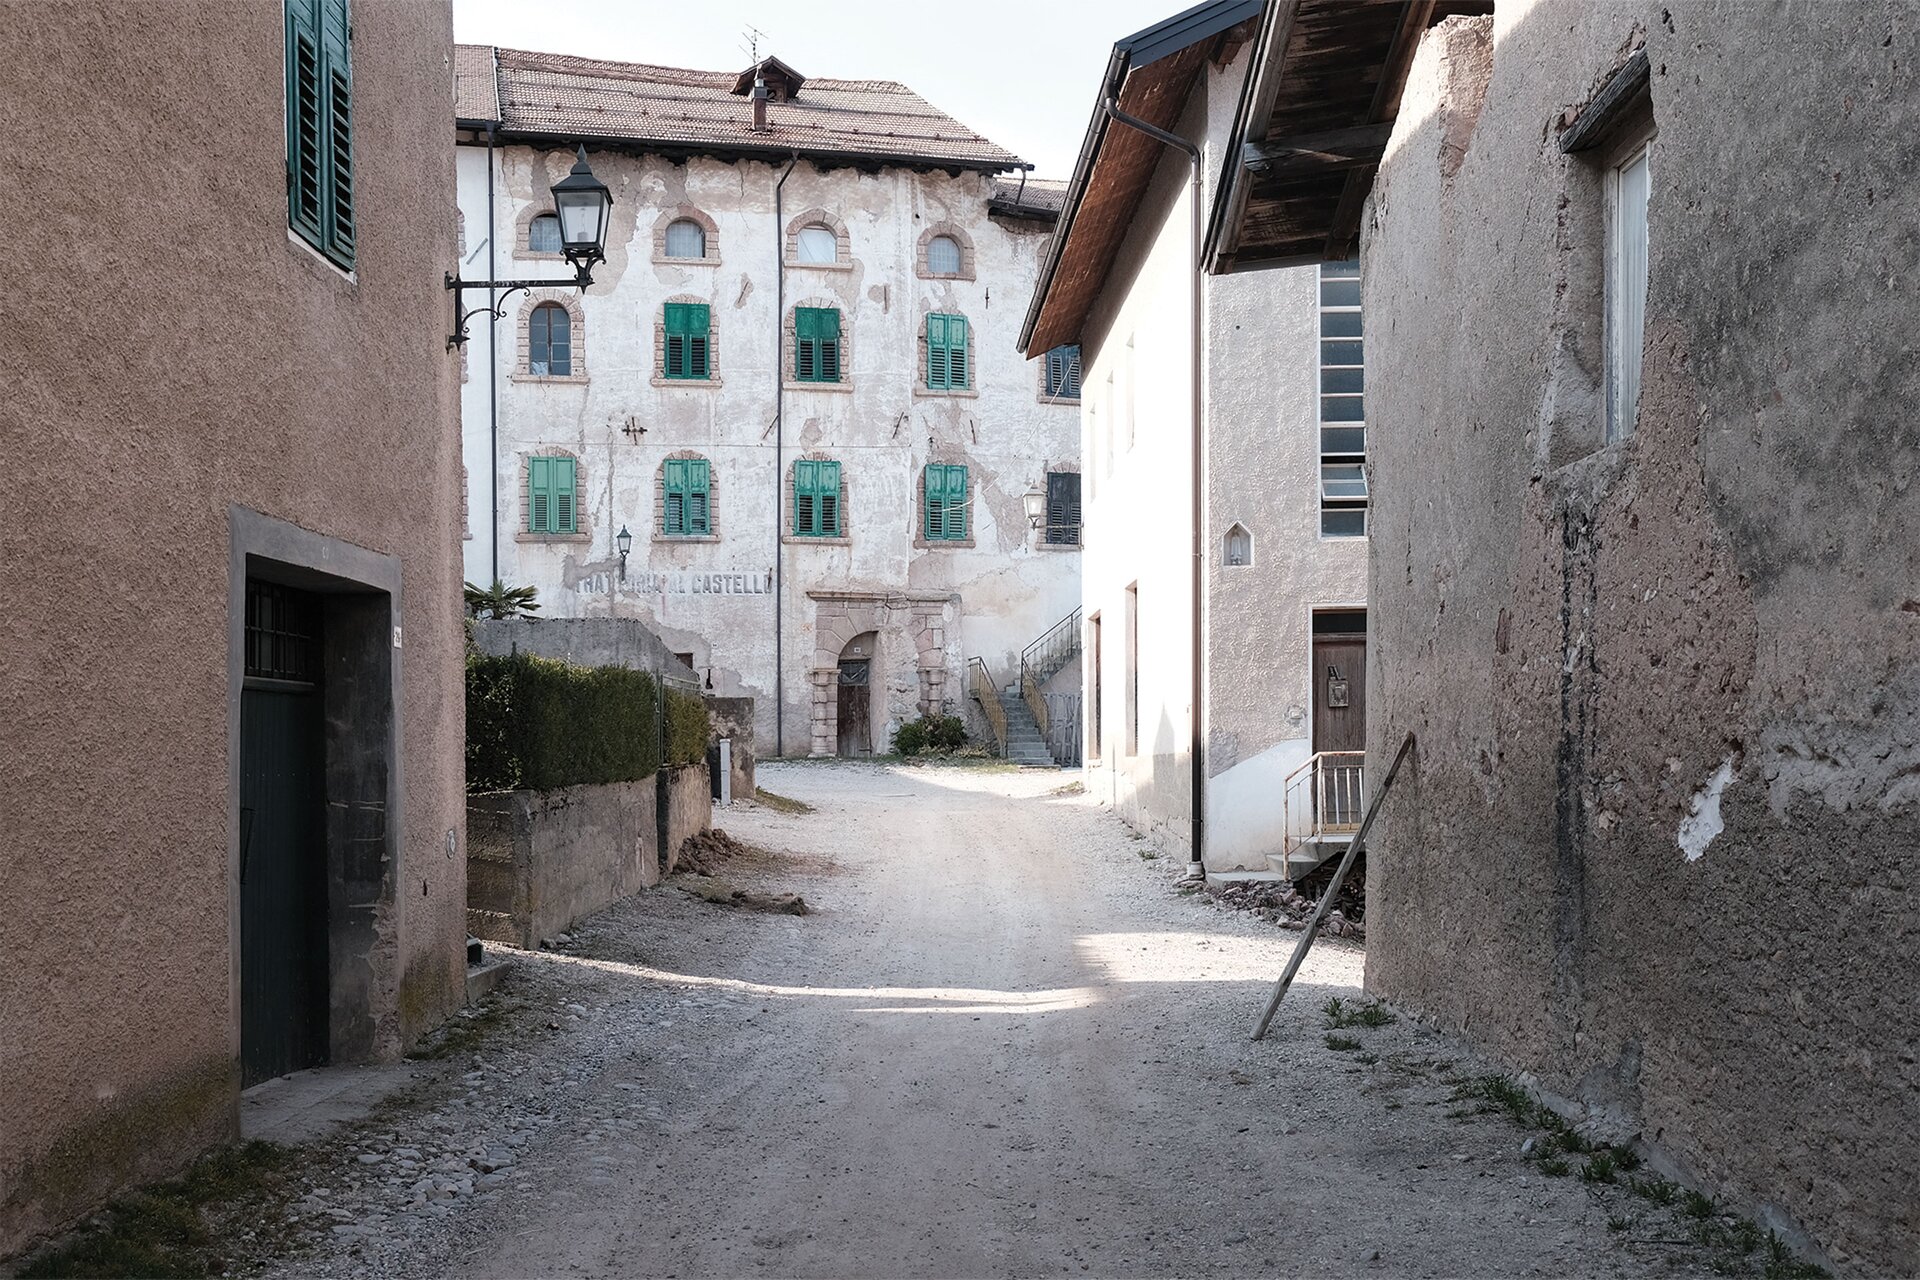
(816, 344)
(320, 127)
(948, 368)
(1063, 508)
(687, 494)
(816, 499)
(1133, 670)
(552, 506)
(1628, 185)
(689, 340)
(1063, 372)
(1094, 688)
(1343, 404)
(945, 505)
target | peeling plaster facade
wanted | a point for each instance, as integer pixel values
(222, 404)
(1655, 848)
(1261, 406)
(916, 610)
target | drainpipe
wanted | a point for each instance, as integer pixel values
(779, 459)
(493, 365)
(1196, 866)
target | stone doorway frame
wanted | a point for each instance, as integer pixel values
(841, 616)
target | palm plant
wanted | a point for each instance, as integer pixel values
(500, 601)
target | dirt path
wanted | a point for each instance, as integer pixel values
(1002, 1046)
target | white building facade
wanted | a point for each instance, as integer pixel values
(794, 383)
(1280, 640)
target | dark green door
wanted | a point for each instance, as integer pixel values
(283, 852)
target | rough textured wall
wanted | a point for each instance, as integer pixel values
(585, 642)
(537, 861)
(715, 597)
(732, 718)
(192, 357)
(1656, 844)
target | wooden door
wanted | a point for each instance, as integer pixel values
(1339, 724)
(856, 738)
(283, 851)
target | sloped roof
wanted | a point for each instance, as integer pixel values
(1036, 198)
(474, 97)
(668, 108)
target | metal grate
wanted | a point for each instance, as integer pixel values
(283, 633)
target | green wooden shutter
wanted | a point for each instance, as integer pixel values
(806, 514)
(673, 520)
(956, 502)
(935, 503)
(806, 345)
(337, 62)
(539, 496)
(959, 365)
(675, 358)
(829, 491)
(305, 179)
(566, 515)
(699, 498)
(829, 345)
(937, 353)
(699, 340)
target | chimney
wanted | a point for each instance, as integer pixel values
(759, 104)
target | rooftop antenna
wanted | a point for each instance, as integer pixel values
(754, 36)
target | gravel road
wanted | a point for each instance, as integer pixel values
(1003, 1044)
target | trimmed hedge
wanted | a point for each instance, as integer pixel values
(687, 728)
(536, 724)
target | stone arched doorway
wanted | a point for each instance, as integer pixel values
(883, 622)
(854, 696)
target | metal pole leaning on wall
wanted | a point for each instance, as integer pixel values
(1333, 891)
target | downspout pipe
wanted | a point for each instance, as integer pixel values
(779, 460)
(493, 364)
(1196, 865)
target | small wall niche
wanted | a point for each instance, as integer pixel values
(1237, 547)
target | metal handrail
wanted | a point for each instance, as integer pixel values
(1053, 650)
(980, 685)
(1336, 782)
(1312, 930)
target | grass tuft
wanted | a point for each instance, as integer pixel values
(1553, 1166)
(1600, 1167)
(1342, 1043)
(779, 803)
(1781, 1264)
(1657, 1190)
(1371, 1014)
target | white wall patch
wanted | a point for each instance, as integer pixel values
(1699, 827)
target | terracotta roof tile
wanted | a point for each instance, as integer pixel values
(546, 93)
(1042, 195)
(473, 92)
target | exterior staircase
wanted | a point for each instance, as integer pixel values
(1025, 743)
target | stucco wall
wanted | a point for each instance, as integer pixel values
(586, 642)
(1655, 846)
(732, 718)
(1260, 340)
(716, 598)
(194, 359)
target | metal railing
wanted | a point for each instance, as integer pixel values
(980, 685)
(1059, 645)
(1062, 730)
(1324, 796)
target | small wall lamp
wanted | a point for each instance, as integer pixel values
(624, 541)
(583, 205)
(1036, 504)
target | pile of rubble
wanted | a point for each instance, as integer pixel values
(703, 852)
(1282, 902)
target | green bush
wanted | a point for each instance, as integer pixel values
(687, 730)
(536, 724)
(936, 735)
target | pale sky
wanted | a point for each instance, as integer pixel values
(1022, 72)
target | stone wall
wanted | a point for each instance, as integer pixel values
(1655, 848)
(585, 642)
(538, 861)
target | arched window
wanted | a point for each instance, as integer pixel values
(550, 342)
(943, 256)
(543, 234)
(816, 245)
(686, 239)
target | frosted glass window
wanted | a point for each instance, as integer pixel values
(543, 235)
(816, 245)
(686, 239)
(943, 256)
(1627, 290)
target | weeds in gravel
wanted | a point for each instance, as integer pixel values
(1342, 1044)
(463, 1032)
(1695, 1205)
(1366, 1059)
(1617, 1223)
(1658, 1190)
(175, 1228)
(1600, 1167)
(1781, 1264)
(779, 803)
(1553, 1166)
(1365, 1015)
